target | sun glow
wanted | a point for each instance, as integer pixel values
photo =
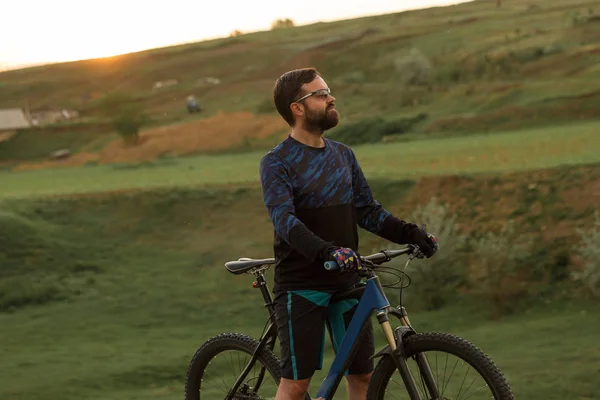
(66, 30)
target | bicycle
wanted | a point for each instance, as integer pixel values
(404, 345)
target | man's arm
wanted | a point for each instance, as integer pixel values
(278, 198)
(371, 215)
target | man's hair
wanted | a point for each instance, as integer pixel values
(288, 88)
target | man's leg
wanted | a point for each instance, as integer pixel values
(359, 373)
(300, 321)
(290, 389)
(358, 385)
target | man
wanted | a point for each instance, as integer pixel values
(316, 195)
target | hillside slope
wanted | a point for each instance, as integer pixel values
(477, 67)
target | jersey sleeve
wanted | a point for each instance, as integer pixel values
(278, 198)
(371, 215)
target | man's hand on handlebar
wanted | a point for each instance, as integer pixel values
(345, 258)
(428, 244)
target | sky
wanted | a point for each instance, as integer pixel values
(43, 31)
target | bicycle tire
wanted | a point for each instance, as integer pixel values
(448, 343)
(221, 343)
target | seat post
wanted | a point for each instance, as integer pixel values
(261, 283)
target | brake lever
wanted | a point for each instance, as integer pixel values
(416, 253)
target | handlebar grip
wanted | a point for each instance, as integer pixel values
(331, 266)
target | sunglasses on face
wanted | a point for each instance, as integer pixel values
(320, 94)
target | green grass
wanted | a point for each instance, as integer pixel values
(127, 328)
(35, 145)
(498, 152)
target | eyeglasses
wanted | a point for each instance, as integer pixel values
(320, 94)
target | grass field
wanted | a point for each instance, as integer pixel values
(498, 152)
(130, 285)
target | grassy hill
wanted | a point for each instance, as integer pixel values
(469, 68)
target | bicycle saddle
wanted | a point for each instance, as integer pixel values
(246, 264)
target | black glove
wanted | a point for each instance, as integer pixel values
(427, 243)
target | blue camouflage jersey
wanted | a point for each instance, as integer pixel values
(316, 198)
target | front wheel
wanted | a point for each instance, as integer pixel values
(459, 369)
(220, 361)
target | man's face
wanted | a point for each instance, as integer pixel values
(319, 109)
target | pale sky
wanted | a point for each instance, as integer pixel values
(40, 31)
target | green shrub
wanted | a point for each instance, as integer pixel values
(126, 116)
(589, 250)
(435, 281)
(373, 129)
(501, 270)
(414, 68)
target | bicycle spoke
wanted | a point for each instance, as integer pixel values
(437, 375)
(451, 373)
(462, 384)
(444, 378)
(222, 380)
(481, 388)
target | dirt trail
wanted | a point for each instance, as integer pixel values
(219, 132)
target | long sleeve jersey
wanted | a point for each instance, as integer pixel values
(316, 198)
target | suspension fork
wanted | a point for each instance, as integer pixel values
(400, 358)
(397, 354)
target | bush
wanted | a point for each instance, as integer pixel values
(501, 270)
(125, 115)
(282, 23)
(435, 281)
(414, 68)
(589, 250)
(372, 130)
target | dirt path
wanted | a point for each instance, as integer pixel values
(219, 132)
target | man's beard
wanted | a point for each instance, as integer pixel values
(320, 121)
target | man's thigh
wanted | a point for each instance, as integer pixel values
(301, 318)
(339, 316)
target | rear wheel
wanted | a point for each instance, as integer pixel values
(460, 371)
(220, 361)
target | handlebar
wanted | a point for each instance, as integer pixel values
(379, 257)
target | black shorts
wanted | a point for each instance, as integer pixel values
(302, 317)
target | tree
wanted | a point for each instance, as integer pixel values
(282, 23)
(126, 116)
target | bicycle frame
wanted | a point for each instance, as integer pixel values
(372, 299)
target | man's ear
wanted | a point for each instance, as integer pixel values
(297, 109)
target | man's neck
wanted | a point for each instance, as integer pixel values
(308, 138)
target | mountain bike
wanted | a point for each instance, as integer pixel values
(409, 366)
